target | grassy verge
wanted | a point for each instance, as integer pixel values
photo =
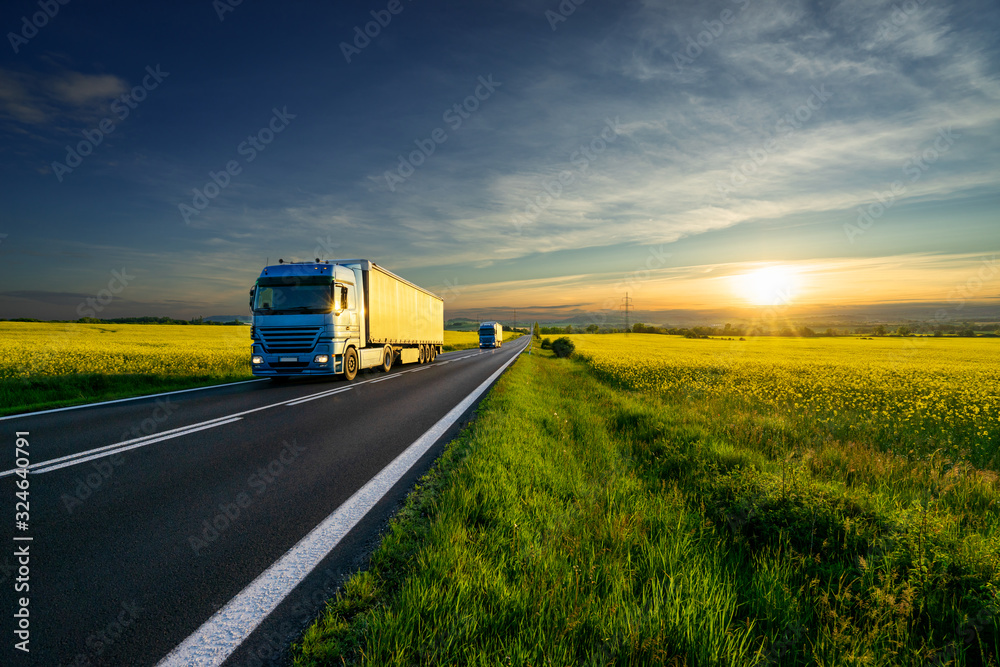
(578, 524)
(46, 392)
(47, 365)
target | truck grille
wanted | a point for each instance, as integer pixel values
(277, 340)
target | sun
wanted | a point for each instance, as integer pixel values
(768, 286)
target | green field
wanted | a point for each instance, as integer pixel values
(48, 365)
(654, 500)
(592, 516)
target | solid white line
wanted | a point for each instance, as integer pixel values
(219, 636)
(142, 438)
(165, 393)
(135, 446)
(122, 400)
(109, 450)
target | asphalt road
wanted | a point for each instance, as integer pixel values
(131, 553)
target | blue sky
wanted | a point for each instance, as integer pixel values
(665, 149)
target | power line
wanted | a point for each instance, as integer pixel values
(626, 304)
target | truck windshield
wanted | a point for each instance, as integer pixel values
(277, 296)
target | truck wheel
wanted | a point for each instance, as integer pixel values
(423, 355)
(434, 352)
(387, 360)
(350, 364)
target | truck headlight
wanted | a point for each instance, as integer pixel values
(256, 360)
(321, 358)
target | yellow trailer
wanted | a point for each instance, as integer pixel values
(338, 316)
(400, 313)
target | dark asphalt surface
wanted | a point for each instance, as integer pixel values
(129, 554)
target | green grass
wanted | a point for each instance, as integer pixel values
(29, 394)
(47, 364)
(577, 524)
(52, 365)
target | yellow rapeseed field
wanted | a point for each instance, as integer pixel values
(896, 392)
(51, 364)
(29, 349)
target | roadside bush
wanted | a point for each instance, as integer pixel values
(546, 343)
(563, 347)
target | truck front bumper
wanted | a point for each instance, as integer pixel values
(272, 365)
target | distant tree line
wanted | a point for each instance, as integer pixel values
(962, 330)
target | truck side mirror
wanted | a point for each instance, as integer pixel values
(339, 301)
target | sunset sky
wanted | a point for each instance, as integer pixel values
(533, 154)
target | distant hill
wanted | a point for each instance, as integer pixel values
(462, 324)
(823, 316)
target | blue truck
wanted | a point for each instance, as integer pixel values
(338, 316)
(490, 335)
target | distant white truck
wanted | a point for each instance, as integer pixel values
(337, 316)
(490, 335)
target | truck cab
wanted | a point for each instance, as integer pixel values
(490, 335)
(336, 317)
(304, 318)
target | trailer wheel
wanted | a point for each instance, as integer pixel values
(422, 357)
(387, 359)
(350, 364)
(434, 352)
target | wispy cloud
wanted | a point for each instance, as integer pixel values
(79, 89)
(47, 99)
(729, 138)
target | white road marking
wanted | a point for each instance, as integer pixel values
(122, 400)
(142, 441)
(135, 446)
(219, 636)
(172, 433)
(165, 393)
(109, 450)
